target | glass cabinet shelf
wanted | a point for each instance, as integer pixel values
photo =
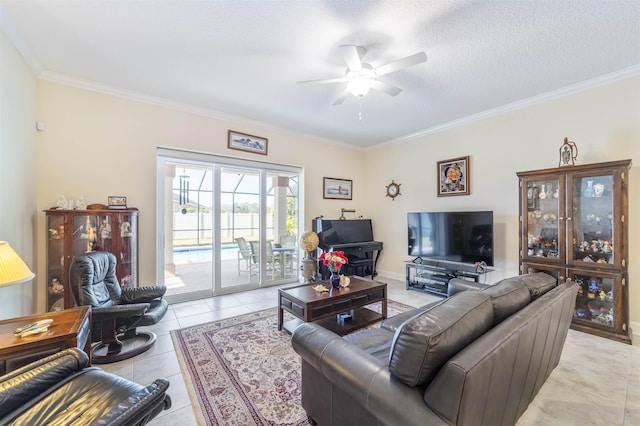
(542, 217)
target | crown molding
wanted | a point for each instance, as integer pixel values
(179, 106)
(623, 74)
(613, 77)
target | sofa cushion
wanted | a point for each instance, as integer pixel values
(538, 283)
(396, 321)
(508, 297)
(423, 343)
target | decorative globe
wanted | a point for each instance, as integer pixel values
(309, 240)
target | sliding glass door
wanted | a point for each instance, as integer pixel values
(224, 224)
(240, 224)
(188, 216)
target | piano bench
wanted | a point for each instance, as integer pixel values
(359, 267)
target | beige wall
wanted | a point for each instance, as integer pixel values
(97, 145)
(604, 122)
(17, 171)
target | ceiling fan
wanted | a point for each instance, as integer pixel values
(360, 77)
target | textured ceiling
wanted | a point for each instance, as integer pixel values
(242, 58)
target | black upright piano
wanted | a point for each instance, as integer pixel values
(355, 239)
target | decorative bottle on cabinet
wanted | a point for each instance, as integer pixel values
(581, 235)
(73, 232)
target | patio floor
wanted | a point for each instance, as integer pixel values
(198, 276)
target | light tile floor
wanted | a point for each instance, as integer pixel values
(597, 381)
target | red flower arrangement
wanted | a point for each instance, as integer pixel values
(333, 260)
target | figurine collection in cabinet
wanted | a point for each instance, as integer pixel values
(72, 232)
(574, 226)
(594, 301)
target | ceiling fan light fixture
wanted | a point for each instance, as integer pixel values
(360, 77)
(360, 86)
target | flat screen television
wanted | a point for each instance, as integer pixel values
(465, 237)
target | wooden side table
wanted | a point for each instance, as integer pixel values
(70, 328)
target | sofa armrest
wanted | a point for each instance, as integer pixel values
(362, 377)
(142, 405)
(456, 285)
(142, 294)
(26, 383)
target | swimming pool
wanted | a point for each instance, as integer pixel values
(182, 255)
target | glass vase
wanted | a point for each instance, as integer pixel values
(334, 279)
(589, 191)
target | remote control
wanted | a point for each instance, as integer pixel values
(36, 324)
(36, 330)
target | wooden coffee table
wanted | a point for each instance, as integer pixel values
(308, 305)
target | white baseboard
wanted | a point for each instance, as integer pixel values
(635, 332)
(392, 275)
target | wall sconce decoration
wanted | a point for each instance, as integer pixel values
(343, 211)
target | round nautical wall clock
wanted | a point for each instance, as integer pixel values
(393, 190)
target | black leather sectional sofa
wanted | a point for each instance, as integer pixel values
(478, 357)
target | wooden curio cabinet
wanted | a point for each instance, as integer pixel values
(73, 232)
(573, 225)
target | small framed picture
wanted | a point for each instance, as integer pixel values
(249, 143)
(338, 189)
(117, 202)
(453, 177)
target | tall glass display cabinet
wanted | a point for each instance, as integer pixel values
(573, 225)
(74, 232)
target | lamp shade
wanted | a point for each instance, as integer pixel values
(13, 270)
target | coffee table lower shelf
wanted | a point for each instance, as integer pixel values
(360, 318)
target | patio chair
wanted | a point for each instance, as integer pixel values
(245, 255)
(290, 256)
(272, 260)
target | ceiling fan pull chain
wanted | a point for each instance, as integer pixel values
(360, 111)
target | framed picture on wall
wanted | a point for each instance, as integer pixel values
(453, 177)
(245, 142)
(338, 189)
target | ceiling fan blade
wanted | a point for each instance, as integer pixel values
(409, 61)
(386, 87)
(323, 80)
(344, 95)
(351, 57)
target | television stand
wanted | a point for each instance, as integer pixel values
(432, 276)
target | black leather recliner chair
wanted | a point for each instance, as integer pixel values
(116, 312)
(61, 389)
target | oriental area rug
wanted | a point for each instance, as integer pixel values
(243, 371)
